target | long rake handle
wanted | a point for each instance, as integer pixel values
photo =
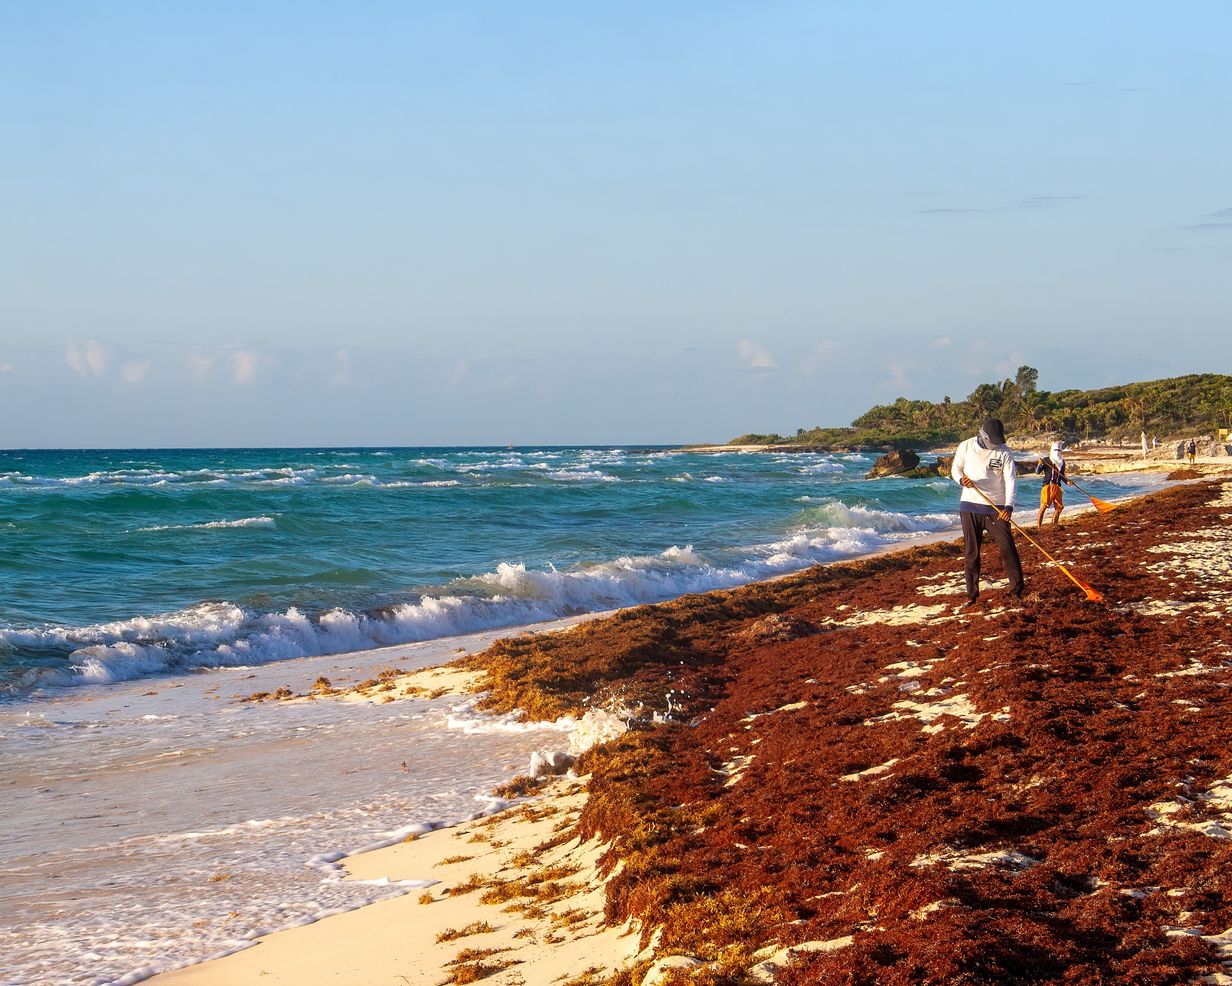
(1069, 575)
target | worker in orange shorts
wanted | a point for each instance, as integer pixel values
(1053, 468)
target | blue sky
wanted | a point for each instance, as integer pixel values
(469, 223)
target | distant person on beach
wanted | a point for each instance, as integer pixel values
(1191, 450)
(985, 464)
(1053, 468)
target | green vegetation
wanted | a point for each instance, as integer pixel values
(1198, 403)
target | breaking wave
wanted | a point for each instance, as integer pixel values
(216, 634)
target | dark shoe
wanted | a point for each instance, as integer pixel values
(970, 604)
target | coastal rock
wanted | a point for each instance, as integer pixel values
(930, 470)
(894, 463)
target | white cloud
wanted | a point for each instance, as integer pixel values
(1007, 367)
(7, 368)
(898, 376)
(342, 369)
(200, 365)
(136, 371)
(458, 375)
(89, 360)
(756, 355)
(943, 342)
(244, 362)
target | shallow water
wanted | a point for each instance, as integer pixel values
(151, 824)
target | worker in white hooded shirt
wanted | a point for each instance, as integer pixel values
(985, 464)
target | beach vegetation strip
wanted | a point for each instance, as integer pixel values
(1191, 405)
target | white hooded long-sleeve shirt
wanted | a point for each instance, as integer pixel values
(992, 470)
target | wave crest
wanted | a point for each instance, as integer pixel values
(214, 634)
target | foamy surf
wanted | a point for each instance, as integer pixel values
(228, 634)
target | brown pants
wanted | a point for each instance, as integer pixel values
(974, 526)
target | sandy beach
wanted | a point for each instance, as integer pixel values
(835, 772)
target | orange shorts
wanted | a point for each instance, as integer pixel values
(1050, 496)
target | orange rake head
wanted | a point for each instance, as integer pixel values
(1093, 594)
(1102, 506)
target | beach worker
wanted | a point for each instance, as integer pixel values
(1053, 468)
(984, 464)
(1191, 450)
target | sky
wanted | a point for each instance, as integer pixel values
(638, 222)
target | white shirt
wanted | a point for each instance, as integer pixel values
(991, 469)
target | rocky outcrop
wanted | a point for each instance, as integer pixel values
(931, 470)
(894, 464)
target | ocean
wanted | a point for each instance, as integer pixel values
(152, 819)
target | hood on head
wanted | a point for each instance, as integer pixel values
(992, 431)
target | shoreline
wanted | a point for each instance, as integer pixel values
(751, 566)
(1095, 458)
(237, 966)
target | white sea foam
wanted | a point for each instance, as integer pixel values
(582, 476)
(835, 513)
(353, 479)
(214, 524)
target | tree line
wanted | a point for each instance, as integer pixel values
(1174, 407)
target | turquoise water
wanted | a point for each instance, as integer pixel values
(121, 564)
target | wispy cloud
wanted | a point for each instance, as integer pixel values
(135, 371)
(7, 368)
(951, 212)
(1026, 202)
(1210, 222)
(342, 375)
(942, 342)
(458, 375)
(89, 360)
(1036, 201)
(756, 356)
(244, 365)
